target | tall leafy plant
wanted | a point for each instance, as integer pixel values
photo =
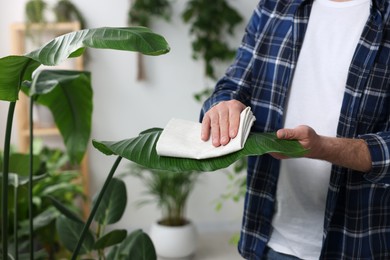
(61, 93)
(210, 23)
(169, 190)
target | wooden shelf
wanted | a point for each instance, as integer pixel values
(18, 47)
(42, 132)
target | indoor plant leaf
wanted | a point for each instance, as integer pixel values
(68, 95)
(63, 209)
(69, 232)
(112, 238)
(142, 150)
(41, 220)
(16, 180)
(137, 245)
(113, 204)
(13, 71)
(138, 39)
(19, 164)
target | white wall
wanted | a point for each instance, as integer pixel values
(123, 107)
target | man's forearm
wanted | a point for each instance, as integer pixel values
(349, 153)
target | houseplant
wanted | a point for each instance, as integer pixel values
(66, 11)
(174, 235)
(110, 211)
(209, 26)
(51, 88)
(141, 12)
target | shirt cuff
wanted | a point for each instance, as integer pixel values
(379, 147)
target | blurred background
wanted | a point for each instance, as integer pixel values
(125, 105)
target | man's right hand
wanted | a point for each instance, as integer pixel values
(221, 122)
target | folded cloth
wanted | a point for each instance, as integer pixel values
(181, 138)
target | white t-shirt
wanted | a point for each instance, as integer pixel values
(333, 32)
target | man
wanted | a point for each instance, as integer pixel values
(318, 72)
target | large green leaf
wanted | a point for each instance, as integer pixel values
(113, 204)
(13, 71)
(142, 150)
(68, 95)
(69, 233)
(138, 39)
(137, 245)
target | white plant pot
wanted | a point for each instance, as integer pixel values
(174, 242)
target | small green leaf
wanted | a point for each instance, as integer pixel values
(64, 210)
(137, 245)
(41, 220)
(142, 150)
(69, 232)
(113, 204)
(112, 238)
(20, 163)
(113, 254)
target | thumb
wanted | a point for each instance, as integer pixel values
(286, 134)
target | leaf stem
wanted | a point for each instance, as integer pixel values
(16, 216)
(7, 145)
(95, 207)
(30, 182)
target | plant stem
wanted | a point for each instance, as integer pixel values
(7, 144)
(30, 181)
(95, 207)
(16, 198)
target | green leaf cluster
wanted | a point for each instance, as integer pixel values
(68, 94)
(52, 179)
(210, 23)
(141, 11)
(121, 244)
(169, 190)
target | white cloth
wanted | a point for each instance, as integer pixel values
(181, 138)
(315, 99)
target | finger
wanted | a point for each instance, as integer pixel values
(234, 122)
(224, 127)
(215, 128)
(286, 134)
(205, 132)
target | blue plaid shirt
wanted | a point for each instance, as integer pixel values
(357, 217)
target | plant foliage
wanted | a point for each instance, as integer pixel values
(142, 150)
(141, 11)
(70, 104)
(210, 23)
(169, 190)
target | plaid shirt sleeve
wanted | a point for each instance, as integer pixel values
(379, 147)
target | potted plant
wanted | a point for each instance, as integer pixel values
(174, 235)
(68, 94)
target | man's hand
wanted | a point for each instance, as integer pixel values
(349, 153)
(222, 122)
